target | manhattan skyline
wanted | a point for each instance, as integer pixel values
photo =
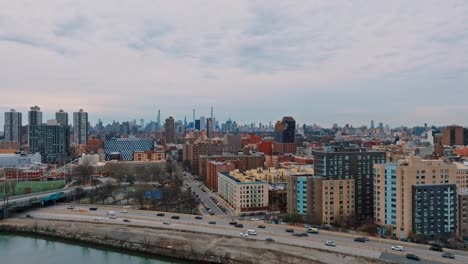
(400, 63)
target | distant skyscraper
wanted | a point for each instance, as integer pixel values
(61, 117)
(212, 113)
(158, 121)
(170, 130)
(35, 116)
(372, 124)
(194, 117)
(12, 129)
(285, 130)
(202, 123)
(142, 123)
(80, 127)
(197, 124)
(209, 127)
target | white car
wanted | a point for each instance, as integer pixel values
(244, 235)
(397, 248)
(330, 243)
(254, 219)
(113, 217)
(166, 222)
(124, 211)
(252, 232)
(97, 219)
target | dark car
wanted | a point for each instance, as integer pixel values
(448, 255)
(360, 239)
(176, 217)
(300, 234)
(212, 222)
(160, 214)
(239, 225)
(413, 257)
(126, 220)
(233, 223)
(29, 216)
(198, 217)
(261, 226)
(436, 248)
(269, 239)
(289, 230)
(93, 208)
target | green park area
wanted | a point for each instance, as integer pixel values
(24, 187)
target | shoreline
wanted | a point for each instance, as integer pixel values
(186, 247)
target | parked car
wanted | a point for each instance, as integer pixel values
(261, 226)
(397, 248)
(166, 222)
(290, 230)
(160, 214)
(436, 248)
(176, 217)
(212, 222)
(198, 217)
(239, 225)
(448, 255)
(254, 219)
(360, 239)
(330, 244)
(413, 257)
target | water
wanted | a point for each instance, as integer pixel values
(30, 250)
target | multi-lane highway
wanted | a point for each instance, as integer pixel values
(375, 248)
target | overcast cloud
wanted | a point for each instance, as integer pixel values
(399, 62)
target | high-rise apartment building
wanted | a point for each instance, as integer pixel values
(13, 123)
(415, 197)
(454, 136)
(170, 131)
(80, 127)
(52, 141)
(61, 117)
(344, 163)
(285, 130)
(35, 116)
(202, 123)
(192, 152)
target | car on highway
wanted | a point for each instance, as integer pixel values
(233, 223)
(212, 222)
(254, 219)
(93, 208)
(176, 217)
(436, 248)
(244, 235)
(124, 211)
(97, 219)
(448, 255)
(166, 222)
(397, 248)
(239, 225)
(300, 234)
(126, 220)
(71, 207)
(330, 244)
(261, 226)
(360, 239)
(290, 230)
(29, 216)
(160, 214)
(113, 217)
(412, 257)
(252, 232)
(269, 239)
(198, 217)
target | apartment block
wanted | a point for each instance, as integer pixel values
(149, 155)
(243, 162)
(125, 147)
(344, 163)
(462, 212)
(192, 152)
(415, 196)
(212, 169)
(244, 194)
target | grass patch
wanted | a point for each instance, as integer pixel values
(24, 187)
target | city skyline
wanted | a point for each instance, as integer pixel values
(398, 62)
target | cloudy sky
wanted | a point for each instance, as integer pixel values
(399, 62)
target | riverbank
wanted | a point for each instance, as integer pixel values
(194, 247)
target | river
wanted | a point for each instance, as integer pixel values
(30, 250)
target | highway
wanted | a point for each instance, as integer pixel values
(375, 248)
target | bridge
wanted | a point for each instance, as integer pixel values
(34, 200)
